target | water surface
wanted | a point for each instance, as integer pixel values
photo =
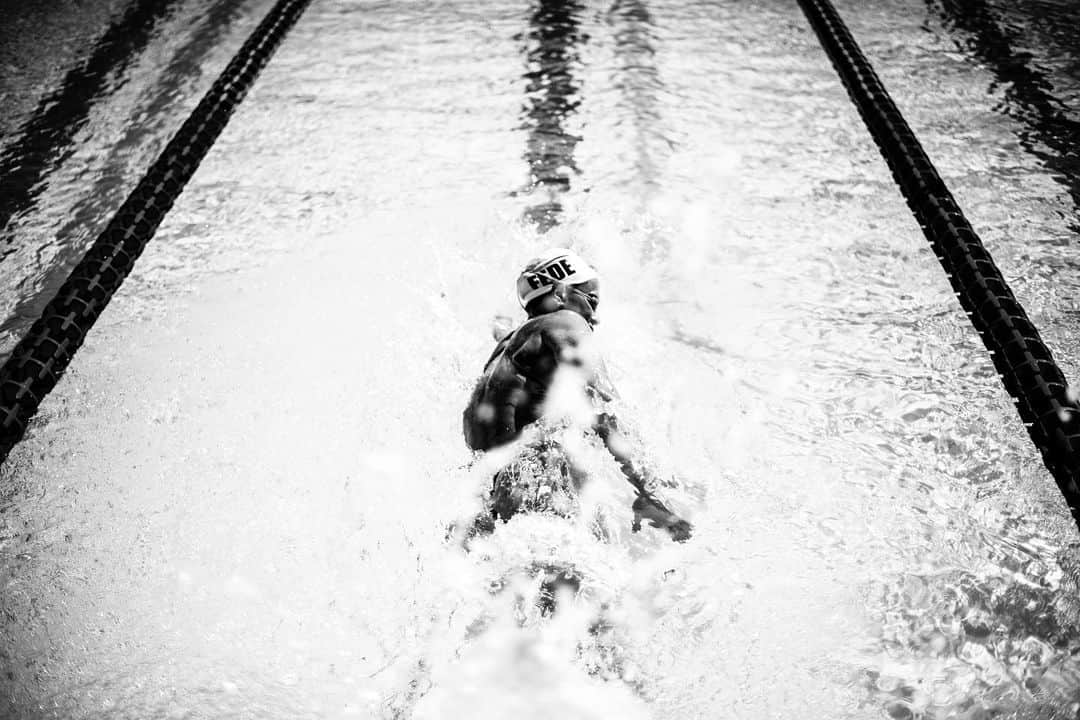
(235, 502)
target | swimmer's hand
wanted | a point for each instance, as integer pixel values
(648, 508)
(680, 530)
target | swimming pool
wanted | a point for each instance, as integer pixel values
(234, 502)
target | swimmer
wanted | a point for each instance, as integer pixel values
(560, 293)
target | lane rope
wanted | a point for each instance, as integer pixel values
(38, 361)
(1024, 364)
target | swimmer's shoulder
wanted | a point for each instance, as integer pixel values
(560, 322)
(559, 328)
(544, 341)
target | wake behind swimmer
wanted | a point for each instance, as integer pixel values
(542, 421)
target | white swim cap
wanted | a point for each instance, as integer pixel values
(549, 267)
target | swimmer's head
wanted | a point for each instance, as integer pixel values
(556, 279)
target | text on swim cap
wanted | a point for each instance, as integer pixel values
(558, 270)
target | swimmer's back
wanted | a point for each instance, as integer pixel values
(510, 393)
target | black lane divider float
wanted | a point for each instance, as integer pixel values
(36, 364)
(1024, 363)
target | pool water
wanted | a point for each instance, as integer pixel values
(236, 502)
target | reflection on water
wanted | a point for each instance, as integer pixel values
(638, 82)
(552, 97)
(91, 207)
(1050, 129)
(91, 139)
(996, 634)
(46, 138)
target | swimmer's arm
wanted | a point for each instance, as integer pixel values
(490, 418)
(647, 505)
